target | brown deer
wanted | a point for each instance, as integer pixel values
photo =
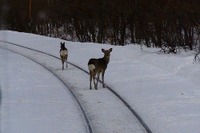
(63, 54)
(98, 66)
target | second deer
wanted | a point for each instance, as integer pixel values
(98, 66)
(63, 54)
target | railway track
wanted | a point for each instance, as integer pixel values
(88, 125)
(108, 87)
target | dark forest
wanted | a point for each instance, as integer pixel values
(167, 24)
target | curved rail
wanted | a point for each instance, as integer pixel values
(109, 88)
(89, 127)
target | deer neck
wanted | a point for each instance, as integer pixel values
(106, 59)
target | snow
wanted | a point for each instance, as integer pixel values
(31, 97)
(164, 89)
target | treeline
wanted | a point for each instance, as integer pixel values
(167, 24)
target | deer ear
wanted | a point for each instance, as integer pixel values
(103, 50)
(110, 49)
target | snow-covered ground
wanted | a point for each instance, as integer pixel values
(163, 89)
(33, 100)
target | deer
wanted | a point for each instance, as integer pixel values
(98, 66)
(63, 54)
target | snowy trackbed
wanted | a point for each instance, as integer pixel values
(62, 81)
(84, 96)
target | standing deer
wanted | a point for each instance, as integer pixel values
(63, 54)
(98, 66)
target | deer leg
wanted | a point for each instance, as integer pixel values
(90, 80)
(62, 65)
(62, 61)
(103, 79)
(66, 62)
(97, 80)
(93, 76)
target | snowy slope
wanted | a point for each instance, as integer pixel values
(163, 89)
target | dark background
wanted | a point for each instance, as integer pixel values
(167, 24)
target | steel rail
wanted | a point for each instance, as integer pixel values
(108, 87)
(89, 127)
